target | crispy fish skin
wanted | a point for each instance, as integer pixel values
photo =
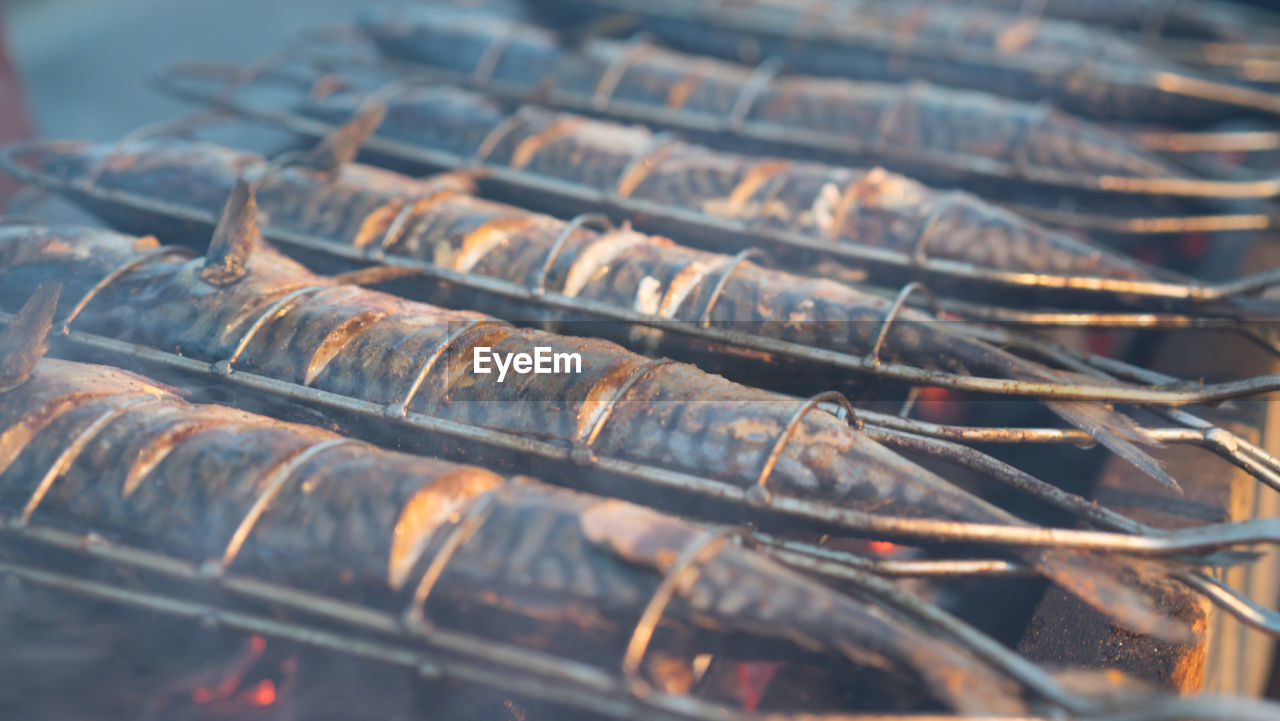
(838, 205)
(311, 330)
(547, 565)
(914, 116)
(1080, 69)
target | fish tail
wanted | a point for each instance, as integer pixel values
(1117, 432)
(1112, 429)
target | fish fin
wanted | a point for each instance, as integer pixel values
(1114, 430)
(1102, 583)
(1117, 432)
(25, 341)
(343, 144)
(235, 238)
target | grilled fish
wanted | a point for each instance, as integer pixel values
(247, 304)
(1084, 70)
(867, 207)
(919, 126)
(111, 453)
(324, 196)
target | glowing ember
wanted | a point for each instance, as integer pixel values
(263, 694)
(754, 678)
(883, 548)
(940, 405)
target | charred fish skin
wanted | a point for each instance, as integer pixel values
(894, 118)
(302, 506)
(865, 207)
(373, 346)
(1083, 70)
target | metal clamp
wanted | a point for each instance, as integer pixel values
(170, 127)
(636, 170)
(398, 410)
(273, 481)
(759, 494)
(112, 277)
(636, 48)
(494, 137)
(895, 309)
(696, 552)
(582, 452)
(889, 116)
(576, 223)
(244, 75)
(389, 91)
(749, 93)
(73, 450)
(414, 617)
(272, 311)
(489, 59)
(376, 250)
(411, 211)
(940, 204)
(705, 316)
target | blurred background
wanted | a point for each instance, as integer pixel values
(83, 63)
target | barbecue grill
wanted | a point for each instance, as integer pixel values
(639, 173)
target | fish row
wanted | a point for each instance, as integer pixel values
(833, 205)
(323, 195)
(114, 455)
(1082, 69)
(247, 308)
